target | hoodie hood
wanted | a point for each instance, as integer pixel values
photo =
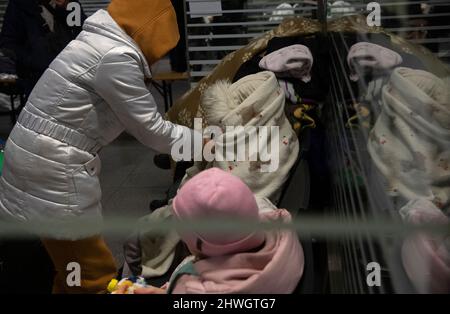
(152, 24)
(103, 24)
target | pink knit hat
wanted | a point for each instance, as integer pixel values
(217, 194)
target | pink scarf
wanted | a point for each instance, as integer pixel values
(274, 268)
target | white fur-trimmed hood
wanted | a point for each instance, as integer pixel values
(237, 104)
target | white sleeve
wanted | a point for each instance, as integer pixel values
(120, 82)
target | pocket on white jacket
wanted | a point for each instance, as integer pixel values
(86, 184)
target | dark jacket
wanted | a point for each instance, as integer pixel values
(28, 40)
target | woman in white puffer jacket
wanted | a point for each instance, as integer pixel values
(93, 91)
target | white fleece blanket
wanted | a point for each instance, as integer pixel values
(254, 102)
(410, 142)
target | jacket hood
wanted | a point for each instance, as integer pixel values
(151, 23)
(102, 23)
(243, 101)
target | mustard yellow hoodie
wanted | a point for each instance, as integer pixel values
(151, 23)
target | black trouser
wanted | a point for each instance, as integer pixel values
(25, 267)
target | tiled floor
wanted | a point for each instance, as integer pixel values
(129, 178)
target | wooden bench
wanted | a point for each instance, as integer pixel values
(165, 87)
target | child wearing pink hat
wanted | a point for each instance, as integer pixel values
(232, 262)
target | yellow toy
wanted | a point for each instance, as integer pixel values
(127, 284)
